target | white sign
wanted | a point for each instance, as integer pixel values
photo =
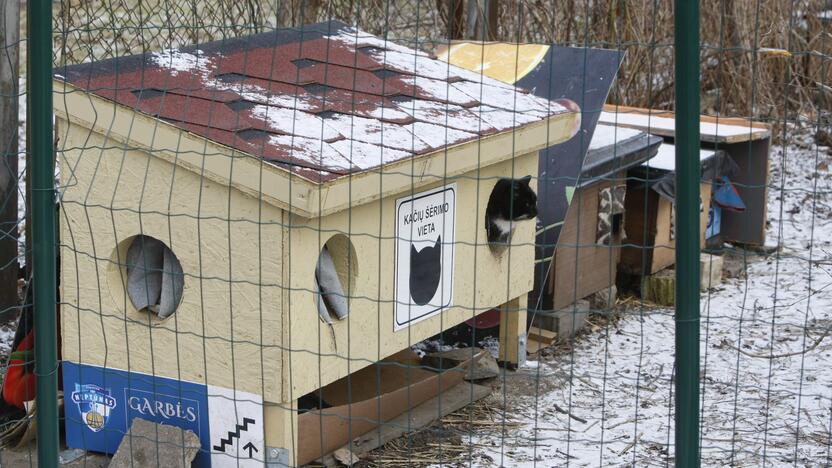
(425, 230)
(236, 428)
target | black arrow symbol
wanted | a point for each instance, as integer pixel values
(249, 446)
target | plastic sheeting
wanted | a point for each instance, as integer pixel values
(331, 297)
(154, 276)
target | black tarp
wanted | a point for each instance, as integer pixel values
(583, 75)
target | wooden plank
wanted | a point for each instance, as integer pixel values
(749, 226)
(659, 122)
(512, 327)
(581, 267)
(640, 223)
(533, 346)
(704, 118)
(419, 417)
(542, 335)
(281, 429)
(651, 231)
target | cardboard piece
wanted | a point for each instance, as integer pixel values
(533, 346)
(421, 416)
(378, 393)
(542, 335)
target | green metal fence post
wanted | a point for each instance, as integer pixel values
(687, 234)
(42, 196)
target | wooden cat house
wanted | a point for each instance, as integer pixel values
(206, 188)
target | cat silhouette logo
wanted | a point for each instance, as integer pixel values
(424, 261)
(425, 271)
(94, 404)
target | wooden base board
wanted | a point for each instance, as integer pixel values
(419, 417)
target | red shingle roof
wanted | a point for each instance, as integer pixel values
(323, 101)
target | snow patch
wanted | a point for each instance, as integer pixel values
(354, 38)
(315, 151)
(500, 119)
(365, 155)
(6, 339)
(294, 122)
(511, 100)
(444, 114)
(439, 136)
(615, 390)
(608, 135)
(376, 132)
(182, 62)
(648, 122)
(260, 95)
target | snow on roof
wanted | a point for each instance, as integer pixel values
(665, 159)
(709, 131)
(324, 101)
(608, 135)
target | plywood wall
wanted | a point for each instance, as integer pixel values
(248, 318)
(227, 329)
(482, 279)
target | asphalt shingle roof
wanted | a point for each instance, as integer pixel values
(323, 101)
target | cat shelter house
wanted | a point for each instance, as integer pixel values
(246, 221)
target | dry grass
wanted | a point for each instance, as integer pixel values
(448, 442)
(769, 60)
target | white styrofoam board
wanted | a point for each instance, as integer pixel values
(668, 125)
(608, 135)
(665, 159)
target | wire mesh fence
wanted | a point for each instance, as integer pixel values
(400, 232)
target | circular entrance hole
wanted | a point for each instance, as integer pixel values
(335, 273)
(511, 201)
(151, 274)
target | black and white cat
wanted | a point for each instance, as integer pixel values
(512, 200)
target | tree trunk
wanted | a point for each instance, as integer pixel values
(456, 19)
(9, 91)
(492, 18)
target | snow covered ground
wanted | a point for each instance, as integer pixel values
(609, 402)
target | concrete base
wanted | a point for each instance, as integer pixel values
(565, 322)
(710, 271)
(660, 288)
(149, 444)
(603, 300)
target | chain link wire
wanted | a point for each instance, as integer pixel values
(605, 397)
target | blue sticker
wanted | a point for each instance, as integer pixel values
(94, 404)
(103, 403)
(714, 222)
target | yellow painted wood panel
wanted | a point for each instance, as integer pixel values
(482, 280)
(227, 329)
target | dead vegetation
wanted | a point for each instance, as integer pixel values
(766, 60)
(758, 59)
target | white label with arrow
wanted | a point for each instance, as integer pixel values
(236, 420)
